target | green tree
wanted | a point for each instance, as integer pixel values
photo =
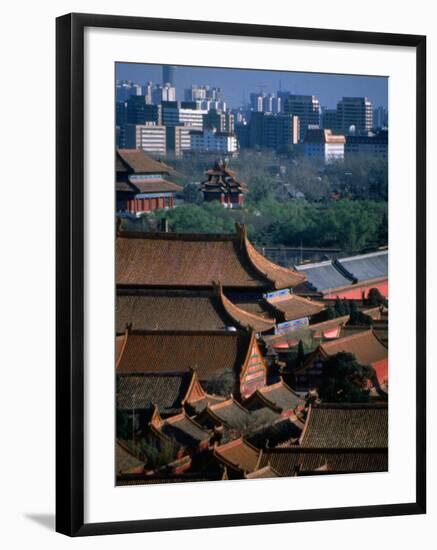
(192, 194)
(339, 307)
(300, 353)
(344, 380)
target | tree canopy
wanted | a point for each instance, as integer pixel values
(344, 380)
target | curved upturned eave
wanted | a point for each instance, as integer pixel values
(245, 318)
(280, 277)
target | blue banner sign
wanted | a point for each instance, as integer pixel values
(277, 294)
(288, 326)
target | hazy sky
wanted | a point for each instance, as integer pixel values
(237, 84)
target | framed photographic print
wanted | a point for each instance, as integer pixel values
(232, 201)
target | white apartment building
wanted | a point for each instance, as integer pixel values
(214, 141)
(176, 116)
(149, 137)
(323, 145)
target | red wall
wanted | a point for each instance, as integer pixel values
(357, 291)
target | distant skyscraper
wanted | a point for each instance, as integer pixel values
(355, 115)
(380, 118)
(223, 122)
(169, 74)
(280, 131)
(307, 108)
(125, 88)
(330, 120)
(163, 93)
(139, 111)
(146, 90)
(256, 102)
(268, 103)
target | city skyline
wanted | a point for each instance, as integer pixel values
(237, 84)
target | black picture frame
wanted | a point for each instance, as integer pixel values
(70, 273)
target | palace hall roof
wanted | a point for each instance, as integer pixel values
(360, 426)
(136, 161)
(147, 185)
(125, 460)
(229, 412)
(364, 345)
(144, 391)
(333, 274)
(278, 396)
(367, 266)
(197, 260)
(207, 352)
(239, 454)
(162, 309)
(298, 461)
(292, 306)
(185, 431)
(323, 276)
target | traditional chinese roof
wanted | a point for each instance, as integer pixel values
(196, 260)
(366, 266)
(162, 309)
(346, 426)
(330, 275)
(220, 179)
(126, 461)
(364, 345)
(291, 337)
(292, 306)
(323, 276)
(185, 431)
(179, 351)
(229, 413)
(279, 396)
(147, 185)
(283, 431)
(264, 472)
(165, 390)
(293, 461)
(136, 161)
(239, 454)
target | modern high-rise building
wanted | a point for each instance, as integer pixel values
(146, 90)
(268, 103)
(149, 137)
(380, 118)
(307, 108)
(355, 115)
(223, 122)
(169, 75)
(280, 131)
(178, 140)
(174, 115)
(125, 88)
(374, 145)
(330, 120)
(211, 140)
(277, 105)
(139, 111)
(166, 92)
(256, 102)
